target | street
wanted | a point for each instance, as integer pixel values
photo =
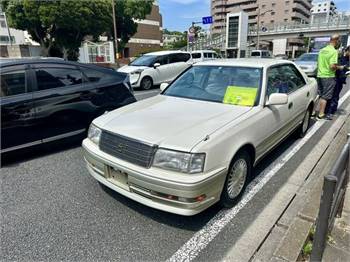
(52, 209)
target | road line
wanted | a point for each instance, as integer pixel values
(203, 237)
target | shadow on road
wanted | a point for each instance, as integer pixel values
(16, 157)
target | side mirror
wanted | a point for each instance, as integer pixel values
(277, 99)
(163, 86)
(156, 65)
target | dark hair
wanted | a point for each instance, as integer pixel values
(347, 49)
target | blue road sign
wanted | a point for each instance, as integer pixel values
(207, 20)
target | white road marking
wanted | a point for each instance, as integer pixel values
(203, 237)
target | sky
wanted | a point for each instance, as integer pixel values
(179, 14)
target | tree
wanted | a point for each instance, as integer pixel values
(126, 12)
(59, 24)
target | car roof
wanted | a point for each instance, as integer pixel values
(244, 62)
(200, 51)
(58, 61)
(166, 52)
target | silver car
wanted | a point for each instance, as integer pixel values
(308, 63)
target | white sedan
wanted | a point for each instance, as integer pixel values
(197, 142)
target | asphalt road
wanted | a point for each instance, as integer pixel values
(52, 209)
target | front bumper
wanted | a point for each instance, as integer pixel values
(149, 186)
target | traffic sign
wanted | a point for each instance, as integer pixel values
(207, 20)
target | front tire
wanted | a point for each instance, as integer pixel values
(304, 127)
(146, 83)
(236, 180)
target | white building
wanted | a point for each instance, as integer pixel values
(323, 11)
(171, 39)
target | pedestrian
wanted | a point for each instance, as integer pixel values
(327, 64)
(340, 75)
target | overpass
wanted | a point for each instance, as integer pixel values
(339, 26)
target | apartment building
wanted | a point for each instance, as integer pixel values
(323, 11)
(149, 35)
(269, 11)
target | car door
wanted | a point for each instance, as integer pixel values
(273, 119)
(163, 72)
(17, 112)
(59, 100)
(178, 62)
(298, 94)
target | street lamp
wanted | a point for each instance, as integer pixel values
(258, 34)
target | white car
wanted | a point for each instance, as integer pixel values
(204, 55)
(156, 68)
(197, 142)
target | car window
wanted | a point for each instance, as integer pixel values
(196, 55)
(48, 78)
(13, 83)
(295, 79)
(283, 79)
(255, 53)
(162, 60)
(176, 58)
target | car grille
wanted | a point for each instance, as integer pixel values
(127, 149)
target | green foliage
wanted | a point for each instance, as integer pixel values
(126, 11)
(63, 24)
(307, 249)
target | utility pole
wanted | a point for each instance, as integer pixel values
(115, 33)
(258, 33)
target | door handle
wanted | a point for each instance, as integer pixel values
(290, 105)
(308, 94)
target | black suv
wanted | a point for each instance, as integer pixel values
(48, 99)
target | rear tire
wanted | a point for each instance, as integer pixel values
(146, 83)
(237, 179)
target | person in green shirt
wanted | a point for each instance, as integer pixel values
(327, 64)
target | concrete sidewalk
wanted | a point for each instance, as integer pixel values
(338, 249)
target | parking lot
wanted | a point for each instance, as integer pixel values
(52, 209)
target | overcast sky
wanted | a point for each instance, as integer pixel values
(179, 14)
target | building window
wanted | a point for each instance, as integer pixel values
(272, 21)
(286, 11)
(273, 4)
(263, 6)
(272, 13)
(3, 24)
(287, 2)
(286, 20)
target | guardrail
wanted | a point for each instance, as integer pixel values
(332, 201)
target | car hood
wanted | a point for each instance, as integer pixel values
(129, 68)
(170, 122)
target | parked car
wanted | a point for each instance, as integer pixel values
(281, 56)
(196, 143)
(308, 63)
(48, 99)
(204, 55)
(155, 68)
(261, 54)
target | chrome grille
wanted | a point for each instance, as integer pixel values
(127, 149)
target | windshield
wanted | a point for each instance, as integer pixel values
(145, 60)
(308, 57)
(221, 84)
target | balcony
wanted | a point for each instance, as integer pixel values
(306, 4)
(301, 8)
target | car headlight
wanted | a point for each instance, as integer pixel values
(137, 72)
(94, 134)
(179, 161)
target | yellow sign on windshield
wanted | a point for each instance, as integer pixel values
(241, 96)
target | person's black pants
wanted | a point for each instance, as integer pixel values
(332, 104)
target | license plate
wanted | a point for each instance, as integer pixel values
(118, 178)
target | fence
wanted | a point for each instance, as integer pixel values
(332, 201)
